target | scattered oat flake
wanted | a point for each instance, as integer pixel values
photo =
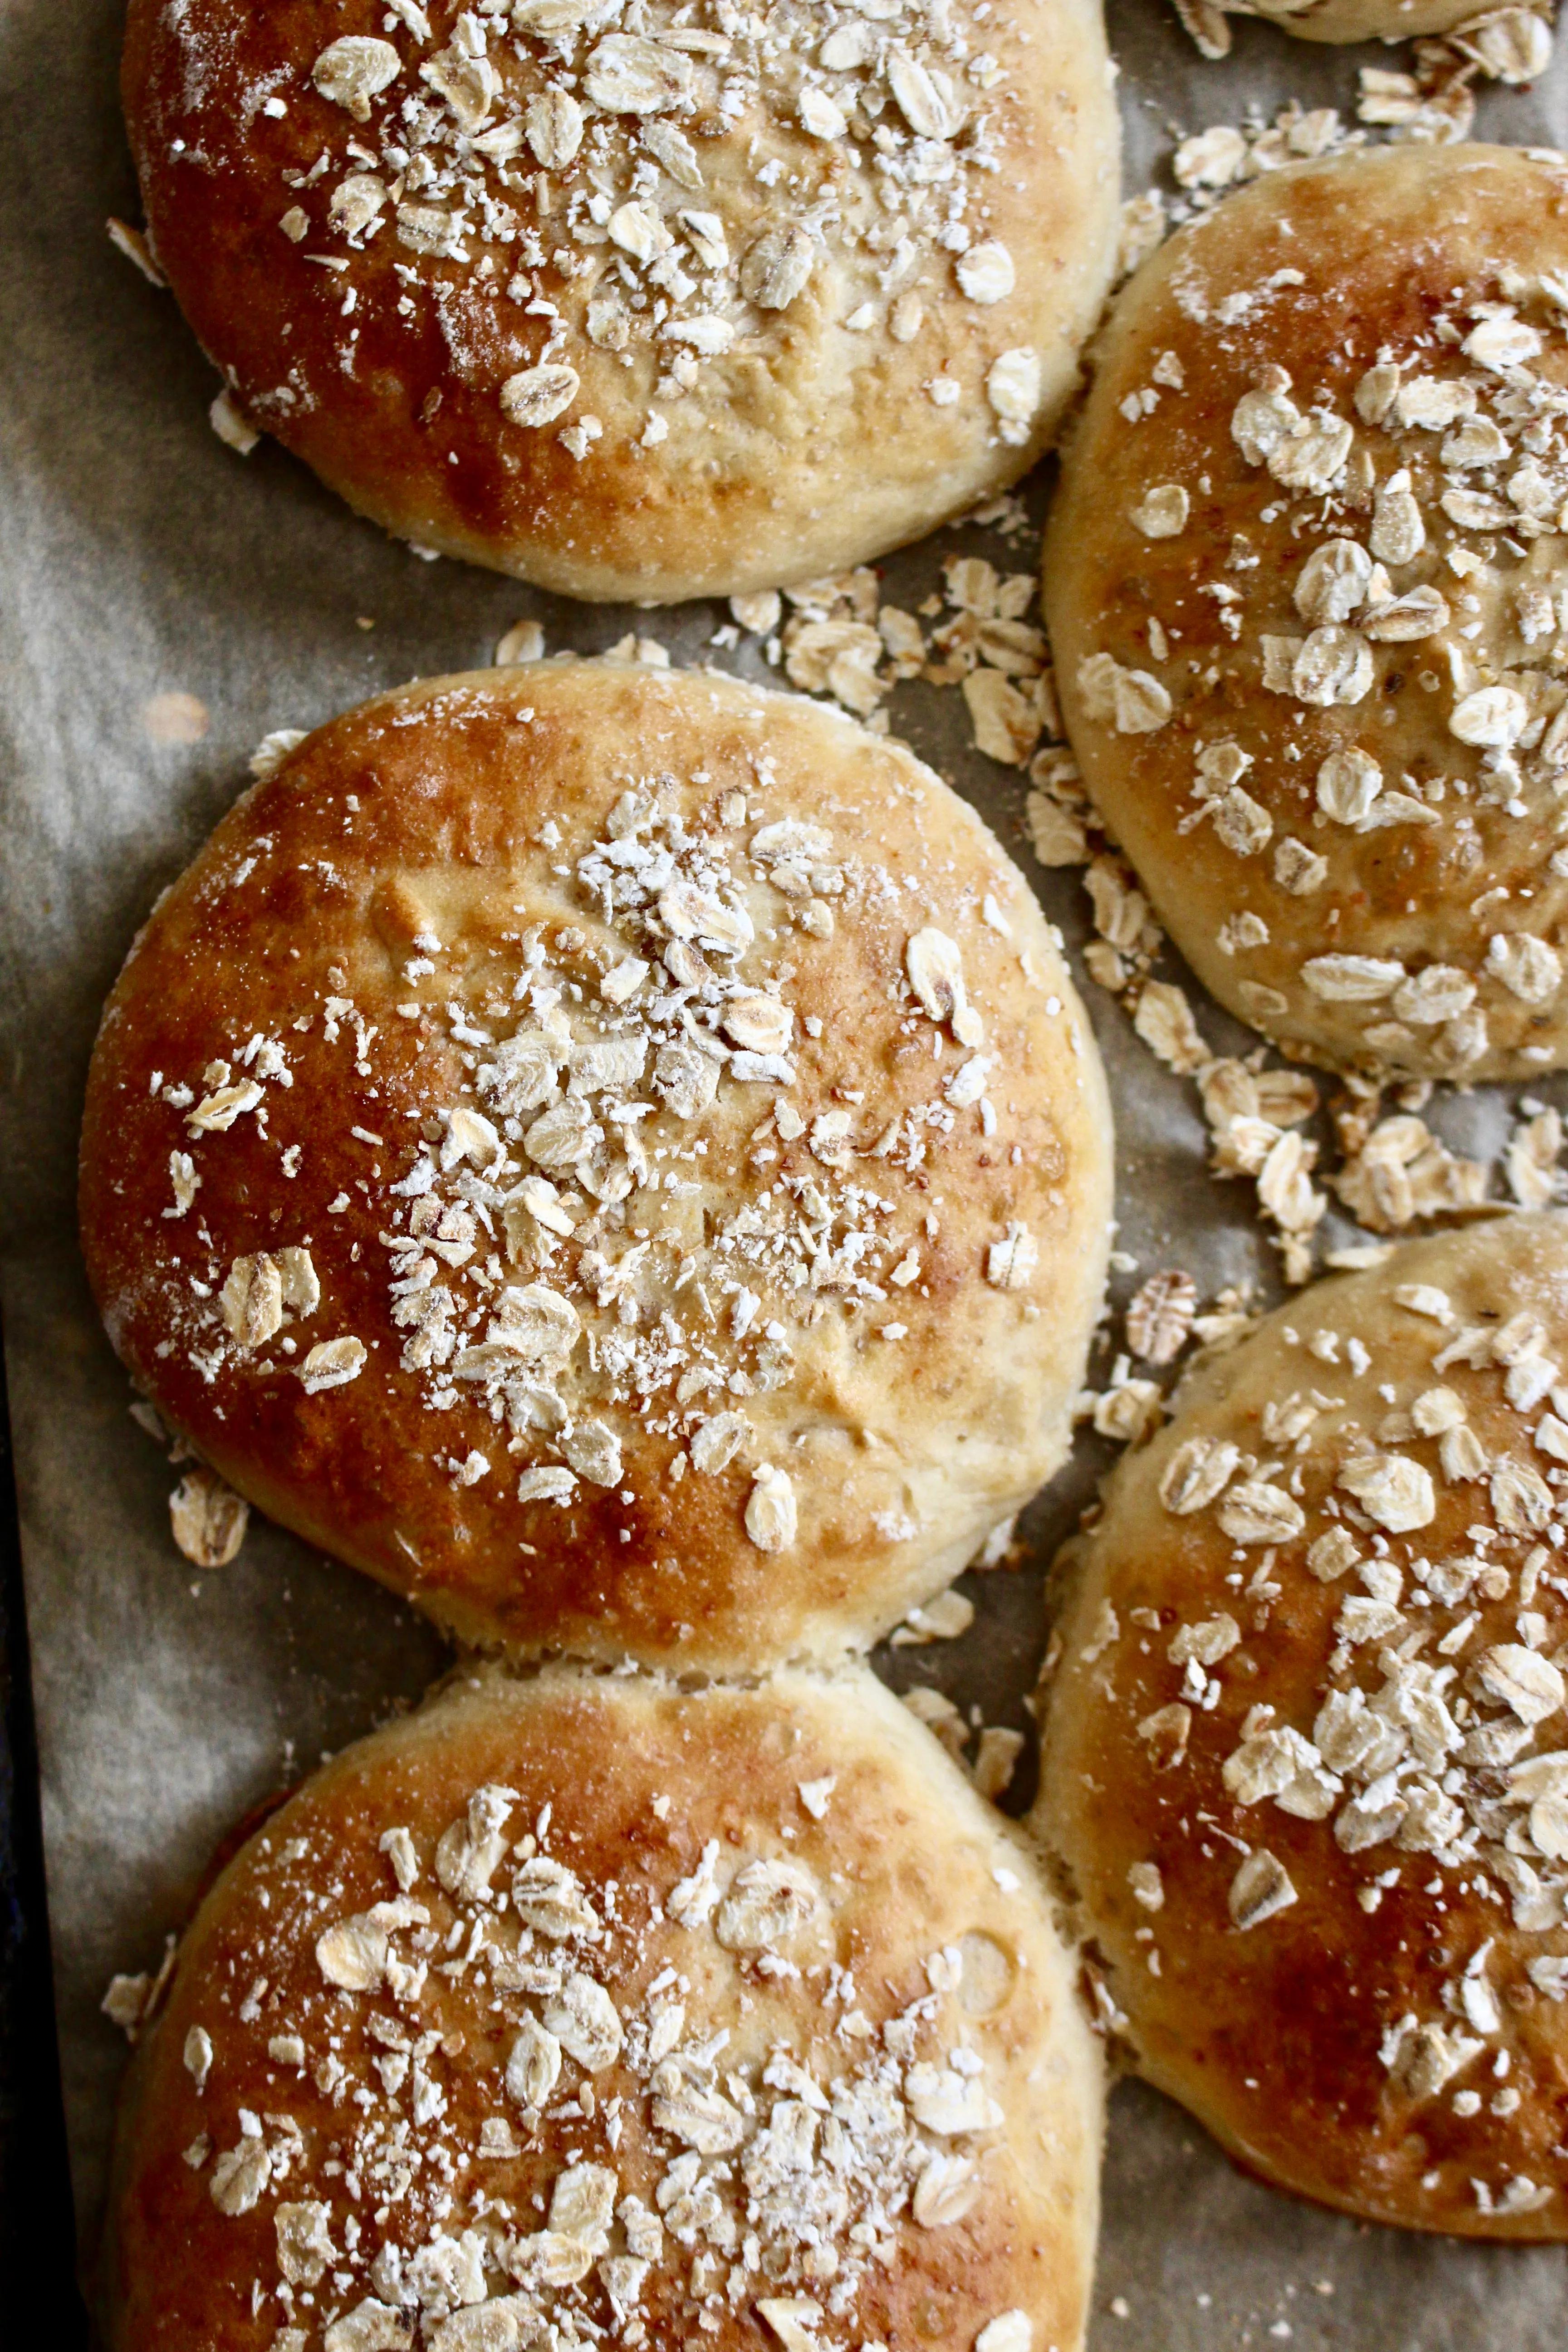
(941, 1717)
(1005, 720)
(943, 1619)
(1128, 1408)
(1056, 834)
(132, 244)
(1165, 1020)
(523, 642)
(997, 1755)
(1143, 231)
(1160, 1317)
(1534, 1177)
(232, 426)
(208, 1519)
(273, 749)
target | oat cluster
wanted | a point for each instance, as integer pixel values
(566, 1259)
(564, 1102)
(502, 2114)
(1320, 639)
(1475, 454)
(556, 158)
(1429, 1754)
(634, 1203)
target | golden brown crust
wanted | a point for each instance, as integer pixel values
(672, 462)
(369, 2104)
(1392, 2039)
(853, 1281)
(1375, 881)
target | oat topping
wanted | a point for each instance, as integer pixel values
(637, 2166)
(577, 1250)
(647, 185)
(1377, 658)
(1431, 1751)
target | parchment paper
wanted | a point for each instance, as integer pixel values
(139, 560)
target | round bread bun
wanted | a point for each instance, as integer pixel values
(614, 1153)
(629, 304)
(1306, 590)
(1305, 1771)
(582, 2005)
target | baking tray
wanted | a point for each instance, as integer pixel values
(164, 605)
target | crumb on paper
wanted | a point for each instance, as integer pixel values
(176, 718)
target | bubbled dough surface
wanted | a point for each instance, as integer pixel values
(1272, 2036)
(804, 447)
(901, 1452)
(1380, 241)
(905, 1861)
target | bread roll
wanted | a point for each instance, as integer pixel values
(578, 2010)
(1305, 587)
(638, 302)
(614, 1153)
(1304, 1769)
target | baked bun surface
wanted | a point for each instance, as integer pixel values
(1305, 586)
(578, 2010)
(638, 300)
(1304, 1770)
(616, 1154)
(1362, 20)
